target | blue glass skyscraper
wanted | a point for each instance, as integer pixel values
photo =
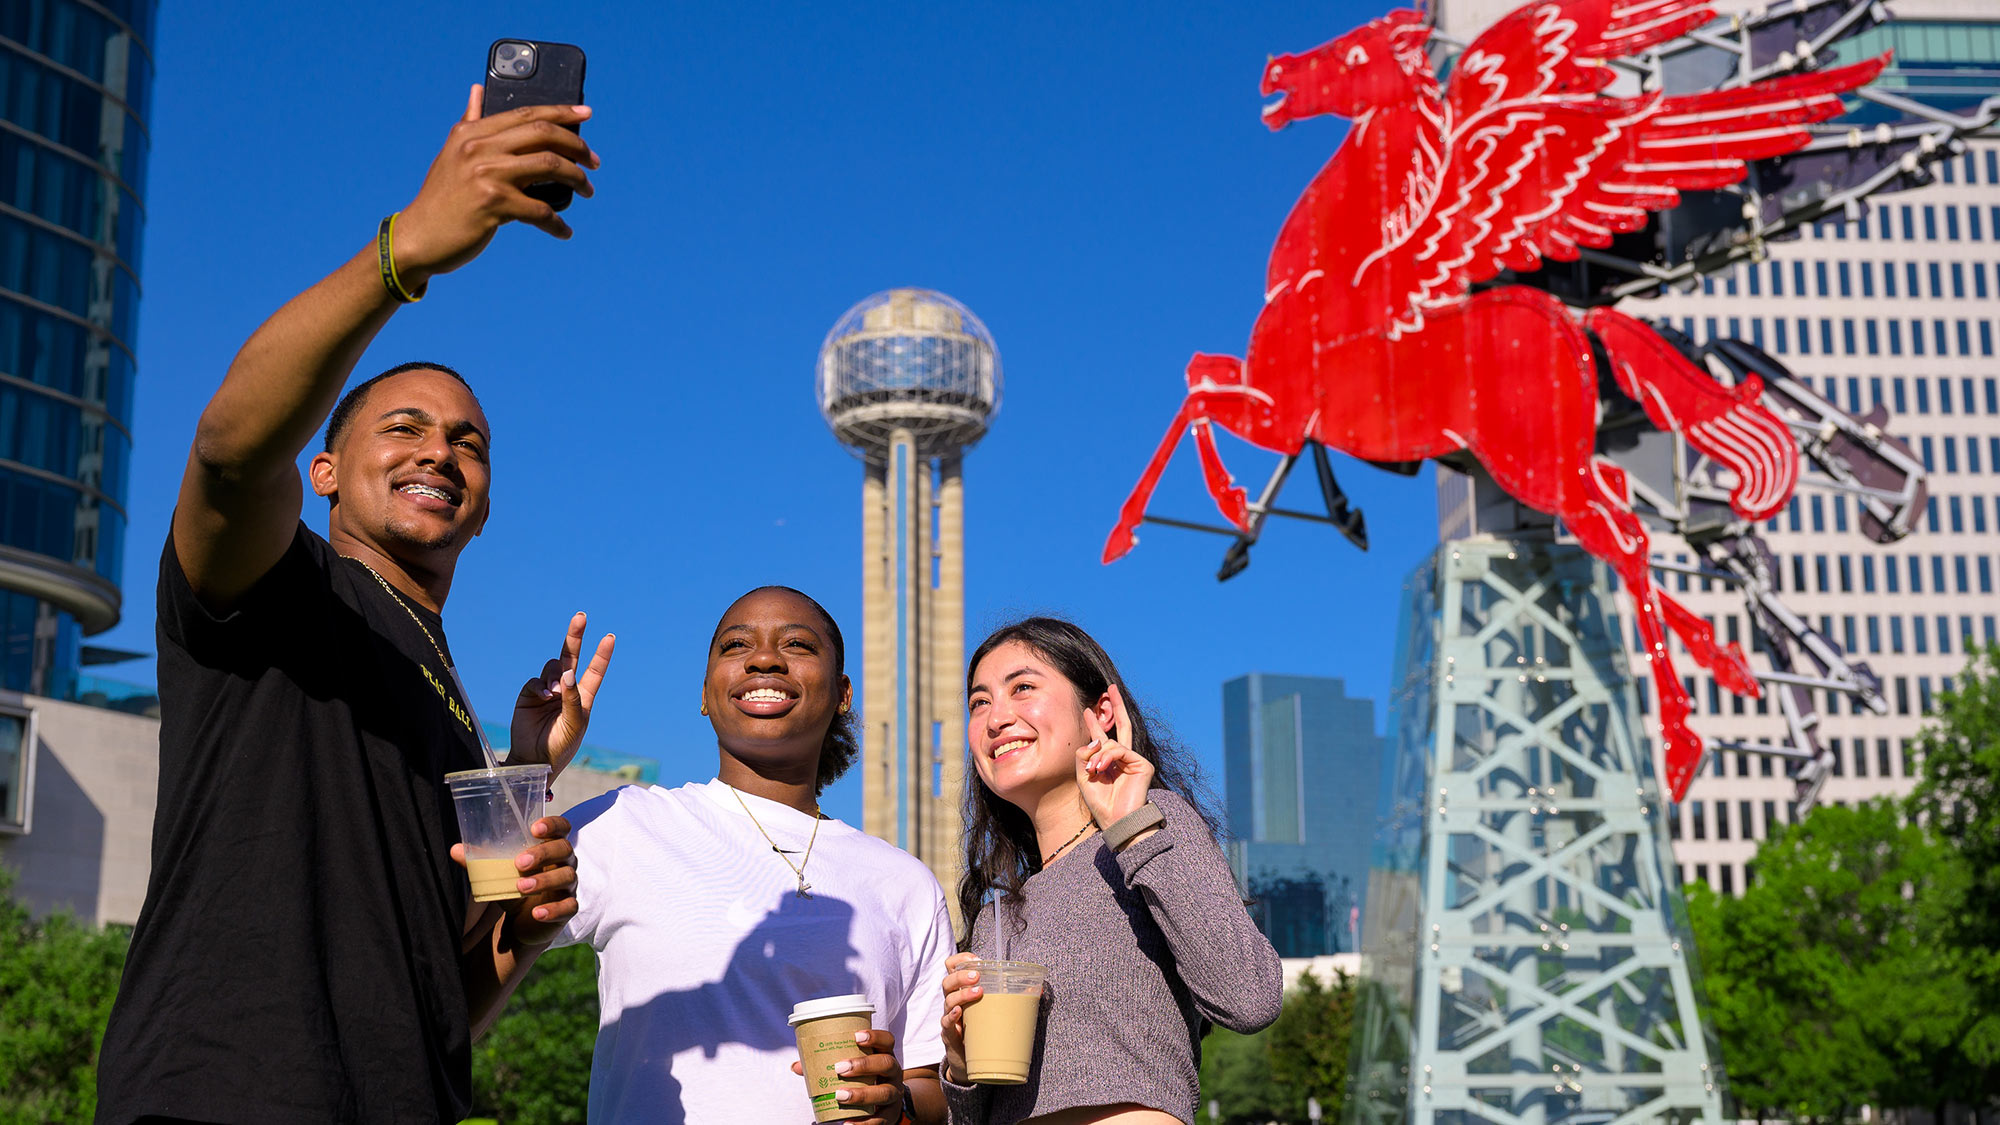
(1301, 761)
(75, 84)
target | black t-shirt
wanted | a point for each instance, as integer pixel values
(296, 959)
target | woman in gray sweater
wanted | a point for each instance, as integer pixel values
(1084, 838)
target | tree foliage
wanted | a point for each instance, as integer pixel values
(1862, 964)
(1958, 796)
(533, 1067)
(1236, 1076)
(57, 980)
(1824, 982)
(1268, 1076)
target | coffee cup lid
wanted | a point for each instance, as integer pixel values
(831, 1006)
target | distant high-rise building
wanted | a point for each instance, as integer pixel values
(1899, 306)
(75, 91)
(1301, 763)
(908, 379)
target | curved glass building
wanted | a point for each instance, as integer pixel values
(75, 84)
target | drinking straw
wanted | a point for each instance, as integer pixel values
(492, 759)
(999, 926)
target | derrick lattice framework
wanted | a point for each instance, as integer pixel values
(1528, 957)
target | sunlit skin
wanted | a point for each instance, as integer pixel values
(773, 641)
(1024, 726)
(1038, 747)
(422, 430)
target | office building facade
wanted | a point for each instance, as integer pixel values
(75, 83)
(1301, 765)
(76, 78)
(1898, 306)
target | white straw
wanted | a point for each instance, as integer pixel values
(492, 759)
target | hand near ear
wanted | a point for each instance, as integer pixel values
(1113, 778)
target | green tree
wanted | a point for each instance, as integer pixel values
(1309, 1044)
(57, 980)
(533, 1067)
(1958, 796)
(1236, 1076)
(1268, 1076)
(1826, 983)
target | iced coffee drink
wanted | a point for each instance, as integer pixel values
(1001, 1025)
(495, 808)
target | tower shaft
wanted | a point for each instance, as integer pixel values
(913, 602)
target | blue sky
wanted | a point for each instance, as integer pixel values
(1093, 180)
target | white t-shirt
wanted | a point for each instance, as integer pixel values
(703, 946)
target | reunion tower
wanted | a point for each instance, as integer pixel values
(908, 379)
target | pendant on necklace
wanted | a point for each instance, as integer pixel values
(804, 890)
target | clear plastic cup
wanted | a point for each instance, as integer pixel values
(495, 808)
(826, 1028)
(1000, 1026)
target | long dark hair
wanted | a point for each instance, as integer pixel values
(842, 745)
(1000, 846)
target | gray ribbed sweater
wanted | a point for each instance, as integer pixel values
(1143, 947)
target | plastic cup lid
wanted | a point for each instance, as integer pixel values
(498, 773)
(1020, 968)
(854, 1004)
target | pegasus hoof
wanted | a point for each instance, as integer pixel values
(1683, 751)
(1235, 506)
(1119, 544)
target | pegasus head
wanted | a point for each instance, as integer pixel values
(1379, 63)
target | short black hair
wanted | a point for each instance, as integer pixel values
(343, 414)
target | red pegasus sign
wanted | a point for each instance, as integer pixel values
(1374, 341)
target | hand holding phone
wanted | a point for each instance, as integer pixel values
(524, 72)
(478, 183)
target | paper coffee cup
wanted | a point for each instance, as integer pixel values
(1001, 1025)
(826, 1028)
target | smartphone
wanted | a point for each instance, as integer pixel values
(526, 72)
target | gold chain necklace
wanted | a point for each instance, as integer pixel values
(451, 673)
(391, 591)
(799, 868)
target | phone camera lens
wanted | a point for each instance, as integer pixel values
(520, 66)
(506, 50)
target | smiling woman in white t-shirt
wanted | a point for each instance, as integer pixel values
(716, 907)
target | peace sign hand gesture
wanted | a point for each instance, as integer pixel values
(1112, 777)
(553, 710)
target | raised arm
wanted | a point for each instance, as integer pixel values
(240, 496)
(1168, 855)
(1228, 965)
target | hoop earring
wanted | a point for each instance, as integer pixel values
(704, 708)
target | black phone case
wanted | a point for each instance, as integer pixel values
(558, 80)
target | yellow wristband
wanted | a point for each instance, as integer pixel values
(385, 258)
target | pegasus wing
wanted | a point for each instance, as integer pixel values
(1559, 48)
(1560, 167)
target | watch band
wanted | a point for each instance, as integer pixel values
(1119, 832)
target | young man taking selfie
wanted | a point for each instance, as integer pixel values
(308, 950)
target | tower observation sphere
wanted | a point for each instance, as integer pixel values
(907, 380)
(910, 360)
